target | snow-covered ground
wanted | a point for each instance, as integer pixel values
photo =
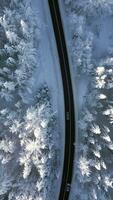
(90, 44)
(51, 74)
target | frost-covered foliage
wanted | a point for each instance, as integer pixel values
(81, 45)
(96, 161)
(28, 146)
(90, 6)
(93, 175)
(83, 32)
(18, 52)
(28, 129)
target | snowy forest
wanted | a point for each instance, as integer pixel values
(32, 118)
(28, 123)
(91, 50)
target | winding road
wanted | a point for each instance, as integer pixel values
(68, 100)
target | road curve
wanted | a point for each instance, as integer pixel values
(68, 100)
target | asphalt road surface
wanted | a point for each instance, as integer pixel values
(68, 100)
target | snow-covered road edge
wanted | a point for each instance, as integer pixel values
(57, 91)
